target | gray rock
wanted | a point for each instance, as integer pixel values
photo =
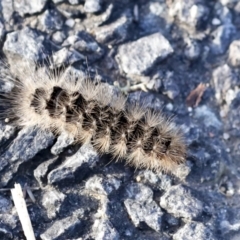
(159, 181)
(63, 141)
(74, 2)
(58, 37)
(171, 89)
(193, 50)
(27, 144)
(41, 172)
(104, 230)
(234, 53)
(5, 205)
(51, 20)
(6, 132)
(194, 230)
(85, 44)
(75, 167)
(180, 203)
(221, 38)
(29, 7)
(191, 13)
(2, 31)
(58, 1)
(223, 80)
(141, 207)
(150, 213)
(92, 6)
(25, 43)
(151, 17)
(7, 225)
(98, 184)
(7, 10)
(115, 32)
(52, 201)
(65, 57)
(65, 226)
(139, 56)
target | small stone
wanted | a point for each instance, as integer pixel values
(85, 44)
(233, 55)
(141, 207)
(24, 147)
(92, 6)
(65, 226)
(149, 213)
(52, 201)
(74, 2)
(216, 21)
(103, 230)
(58, 37)
(65, 57)
(25, 44)
(75, 167)
(5, 205)
(139, 56)
(70, 22)
(192, 50)
(221, 38)
(29, 7)
(41, 172)
(51, 20)
(180, 203)
(116, 32)
(102, 185)
(63, 141)
(223, 79)
(194, 230)
(226, 136)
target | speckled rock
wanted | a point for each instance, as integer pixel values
(52, 201)
(194, 231)
(221, 38)
(143, 54)
(92, 6)
(64, 227)
(26, 43)
(75, 167)
(141, 207)
(115, 32)
(180, 203)
(29, 7)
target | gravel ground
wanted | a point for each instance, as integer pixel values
(183, 56)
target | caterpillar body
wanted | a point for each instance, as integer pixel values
(90, 113)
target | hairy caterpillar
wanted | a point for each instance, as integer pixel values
(87, 111)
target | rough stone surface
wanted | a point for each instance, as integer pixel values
(51, 20)
(52, 201)
(26, 43)
(179, 202)
(92, 6)
(59, 228)
(84, 44)
(143, 53)
(75, 167)
(194, 231)
(221, 38)
(116, 32)
(141, 207)
(29, 7)
(233, 56)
